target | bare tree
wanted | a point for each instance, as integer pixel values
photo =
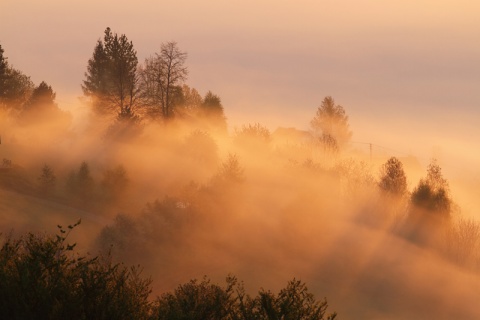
(161, 77)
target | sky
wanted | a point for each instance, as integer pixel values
(399, 68)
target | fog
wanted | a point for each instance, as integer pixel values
(184, 200)
(265, 208)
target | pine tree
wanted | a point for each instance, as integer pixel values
(111, 78)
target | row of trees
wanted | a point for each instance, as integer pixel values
(117, 85)
(21, 98)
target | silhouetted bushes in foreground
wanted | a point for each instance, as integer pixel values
(42, 277)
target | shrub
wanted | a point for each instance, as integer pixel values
(42, 277)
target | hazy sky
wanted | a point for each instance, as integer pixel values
(396, 66)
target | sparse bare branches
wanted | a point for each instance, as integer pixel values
(161, 75)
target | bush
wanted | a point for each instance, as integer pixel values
(203, 300)
(41, 277)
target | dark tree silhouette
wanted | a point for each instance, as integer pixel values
(212, 109)
(15, 87)
(161, 77)
(111, 77)
(432, 193)
(42, 98)
(392, 178)
(190, 103)
(331, 124)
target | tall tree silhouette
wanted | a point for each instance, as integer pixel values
(161, 77)
(111, 77)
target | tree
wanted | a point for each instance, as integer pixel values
(15, 87)
(97, 82)
(192, 101)
(331, 124)
(42, 108)
(429, 216)
(161, 77)
(432, 193)
(111, 77)
(42, 98)
(3, 72)
(47, 180)
(212, 109)
(393, 180)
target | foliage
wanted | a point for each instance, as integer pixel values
(393, 180)
(203, 300)
(111, 77)
(331, 123)
(127, 125)
(190, 103)
(212, 109)
(15, 87)
(292, 302)
(42, 277)
(197, 300)
(42, 97)
(432, 193)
